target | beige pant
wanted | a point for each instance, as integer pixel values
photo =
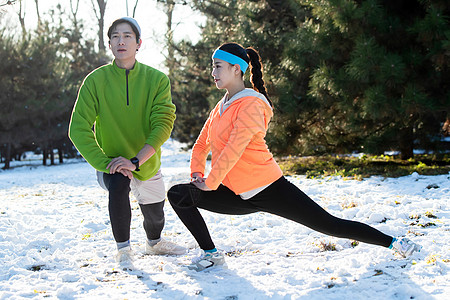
(146, 192)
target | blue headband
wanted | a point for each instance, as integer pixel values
(231, 58)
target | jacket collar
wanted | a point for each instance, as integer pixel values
(121, 71)
(225, 102)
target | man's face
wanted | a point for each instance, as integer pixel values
(123, 42)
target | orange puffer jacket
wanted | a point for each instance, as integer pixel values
(234, 132)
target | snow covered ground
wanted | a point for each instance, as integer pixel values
(56, 242)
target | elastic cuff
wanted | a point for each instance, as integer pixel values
(121, 245)
(211, 251)
(153, 242)
(392, 243)
(197, 172)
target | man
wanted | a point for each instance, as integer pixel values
(130, 105)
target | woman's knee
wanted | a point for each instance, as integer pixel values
(174, 193)
(183, 195)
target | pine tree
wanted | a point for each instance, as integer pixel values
(387, 73)
(193, 90)
(246, 22)
(344, 75)
(41, 74)
(9, 99)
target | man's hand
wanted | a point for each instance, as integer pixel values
(127, 173)
(125, 166)
(121, 165)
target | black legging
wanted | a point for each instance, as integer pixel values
(281, 198)
(120, 210)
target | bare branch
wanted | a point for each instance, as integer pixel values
(95, 9)
(37, 13)
(21, 15)
(74, 11)
(134, 9)
(9, 2)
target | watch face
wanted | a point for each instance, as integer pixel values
(134, 160)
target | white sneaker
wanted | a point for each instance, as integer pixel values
(207, 260)
(164, 247)
(124, 257)
(405, 247)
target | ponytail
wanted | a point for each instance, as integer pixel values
(251, 56)
(256, 76)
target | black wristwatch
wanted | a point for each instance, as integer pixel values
(135, 161)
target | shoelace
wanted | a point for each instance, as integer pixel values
(199, 258)
(404, 246)
(166, 246)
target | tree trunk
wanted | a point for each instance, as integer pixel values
(44, 156)
(101, 22)
(52, 156)
(7, 157)
(60, 155)
(406, 143)
(170, 61)
(101, 26)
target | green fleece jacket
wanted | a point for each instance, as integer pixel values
(128, 110)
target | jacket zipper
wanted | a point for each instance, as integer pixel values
(128, 97)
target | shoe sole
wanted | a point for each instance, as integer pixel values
(163, 253)
(199, 267)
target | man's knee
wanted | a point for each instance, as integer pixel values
(117, 182)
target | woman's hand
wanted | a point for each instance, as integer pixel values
(197, 176)
(201, 185)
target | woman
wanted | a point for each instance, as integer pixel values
(244, 177)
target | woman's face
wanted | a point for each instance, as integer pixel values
(224, 74)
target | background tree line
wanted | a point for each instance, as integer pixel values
(43, 68)
(344, 75)
(41, 72)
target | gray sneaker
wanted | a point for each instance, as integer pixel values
(207, 260)
(124, 258)
(405, 247)
(164, 247)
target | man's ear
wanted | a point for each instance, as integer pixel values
(139, 44)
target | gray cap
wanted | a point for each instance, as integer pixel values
(132, 21)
